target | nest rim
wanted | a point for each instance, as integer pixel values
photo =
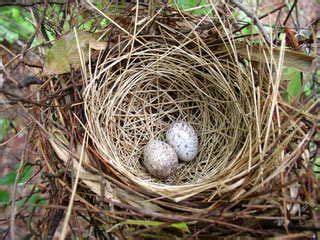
(165, 189)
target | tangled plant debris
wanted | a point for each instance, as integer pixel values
(110, 92)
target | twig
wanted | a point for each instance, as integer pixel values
(34, 10)
(55, 219)
(30, 4)
(152, 8)
(13, 197)
(254, 18)
(261, 17)
(17, 99)
(37, 29)
(289, 13)
(297, 16)
(74, 189)
(64, 16)
(13, 137)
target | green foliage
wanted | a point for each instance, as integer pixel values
(187, 4)
(316, 167)
(312, 86)
(282, 36)
(14, 24)
(4, 127)
(251, 29)
(313, 147)
(307, 89)
(34, 199)
(4, 197)
(244, 19)
(180, 225)
(9, 179)
(295, 87)
(91, 24)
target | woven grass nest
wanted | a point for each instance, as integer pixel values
(177, 66)
(159, 84)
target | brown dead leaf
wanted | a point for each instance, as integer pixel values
(64, 52)
(294, 59)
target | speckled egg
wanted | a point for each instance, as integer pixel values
(160, 159)
(183, 138)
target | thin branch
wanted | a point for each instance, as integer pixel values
(289, 13)
(64, 16)
(73, 193)
(13, 197)
(38, 19)
(18, 99)
(41, 20)
(261, 17)
(254, 18)
(20, 4)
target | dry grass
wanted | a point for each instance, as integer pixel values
(167, 67)
(140, 86)
(125, 108)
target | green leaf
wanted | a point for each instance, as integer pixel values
(307, 89)
(282, 36)
(11, 37)
(10, 178)
(36, 199)
(295, 87)
(4, 197)
(4, 127)
(180, 225)
(185, 5)
(26, 174)
(15, 24)
(104, 23)
(316, 167)
(143, 222)
(87, 26)
(20, 203)
(251, 29)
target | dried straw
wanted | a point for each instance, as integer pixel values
(140, 86)
(176, 66)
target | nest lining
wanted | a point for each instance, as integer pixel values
(134, 97)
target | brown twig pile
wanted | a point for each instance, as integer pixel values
(250, 172)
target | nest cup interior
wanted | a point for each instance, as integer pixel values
(134, 97)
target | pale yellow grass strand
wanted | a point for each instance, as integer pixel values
(73, 193)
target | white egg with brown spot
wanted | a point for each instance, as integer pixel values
(160, 159)
(184, 139)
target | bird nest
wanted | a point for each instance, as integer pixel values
(133, 97)
(176, 66)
